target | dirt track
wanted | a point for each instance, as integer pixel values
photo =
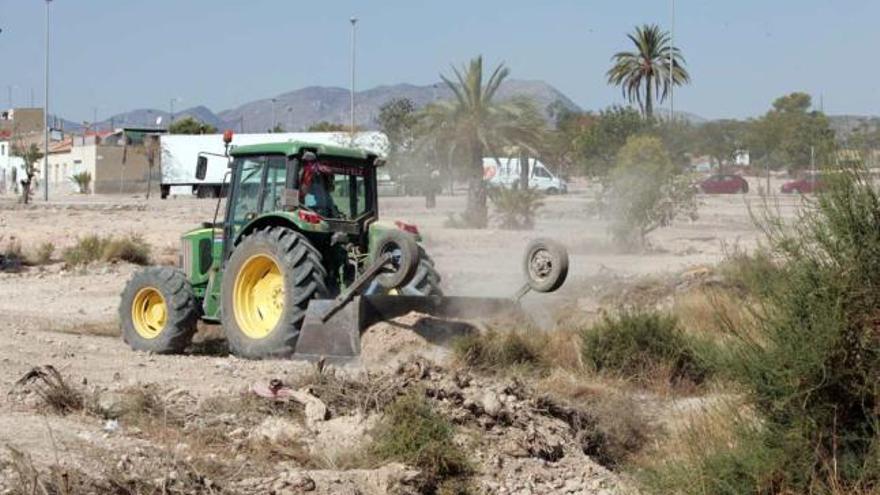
(49, 316)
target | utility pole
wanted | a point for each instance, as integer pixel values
(672, 66)
(95, 119)
(9, 89)
(46, 113)
(274, 116)
(353, 21)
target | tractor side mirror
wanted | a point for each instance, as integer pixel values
(201, 167)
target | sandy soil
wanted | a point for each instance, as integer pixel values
(50, 315)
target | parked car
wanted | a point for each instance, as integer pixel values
(724, 184)
(808, 184)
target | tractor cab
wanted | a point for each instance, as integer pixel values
(319, 189)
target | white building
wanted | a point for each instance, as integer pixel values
(7, 164)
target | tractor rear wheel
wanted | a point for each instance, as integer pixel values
(267, 285)
(158, 311)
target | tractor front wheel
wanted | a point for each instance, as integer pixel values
(158, 311)
(267, 285)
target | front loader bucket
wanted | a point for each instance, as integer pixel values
(339, 337)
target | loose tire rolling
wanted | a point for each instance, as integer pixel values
(158, 311)
(267, 285)
(545, 265)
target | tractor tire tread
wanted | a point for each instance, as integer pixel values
(183, 314)
(303, 281)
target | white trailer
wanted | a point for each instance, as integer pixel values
(180, 152)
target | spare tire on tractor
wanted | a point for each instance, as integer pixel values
(158, 311)
(267, 284)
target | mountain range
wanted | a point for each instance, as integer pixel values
(297, 110)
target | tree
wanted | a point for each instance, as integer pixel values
(475, 124)
(647, 69)
(646, 191)
(324, 126)
(397, 120)
(189, 125)
(721, 140)
(278, 128)
(30, 155)
(791, 136)
(601, 140)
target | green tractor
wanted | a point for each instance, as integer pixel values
(301, 223)
(300, 263)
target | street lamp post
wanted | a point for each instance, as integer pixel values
(353, 21)
(672, 66)
(274, 116)
(46, 113)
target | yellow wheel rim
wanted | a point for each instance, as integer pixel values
(258, 296)
(149, 312)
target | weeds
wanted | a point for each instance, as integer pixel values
(411, 432)
(12, 258)
(496, 350)
(92, 248)
(44, 253)
(642, 345)
(55, 393)
(808, 362)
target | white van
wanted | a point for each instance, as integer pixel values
(507, 175)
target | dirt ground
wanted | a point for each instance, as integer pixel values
(67, 318)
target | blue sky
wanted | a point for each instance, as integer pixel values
(117, 55)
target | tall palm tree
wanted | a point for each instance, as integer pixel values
(473, 124)
(647, 69)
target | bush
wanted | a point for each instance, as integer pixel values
(809, 360)
(642, 345)
(12, 258)
(496, 351)
(412, 433)
(516, 208)
(92, 248)
(132, 249)
(82, 180)
(44, 253)
(646, 191)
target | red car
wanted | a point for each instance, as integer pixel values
(805, 185)
(724, 184)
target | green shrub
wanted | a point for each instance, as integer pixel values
(496, 350)
(516, 208)
(411, 432)
(92, 248)
(82, 180)
(809, 361)
(642, 345)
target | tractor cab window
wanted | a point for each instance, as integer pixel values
(333, 190)
(246, 197)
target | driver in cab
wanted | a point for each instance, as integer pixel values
(316, 185)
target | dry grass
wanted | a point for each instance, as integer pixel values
(617, 420)
(519, 350)
(55, 393)
(91, 248)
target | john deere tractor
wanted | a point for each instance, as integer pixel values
(301, 223)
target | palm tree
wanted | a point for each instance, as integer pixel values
(647, 69)
(473, 124)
